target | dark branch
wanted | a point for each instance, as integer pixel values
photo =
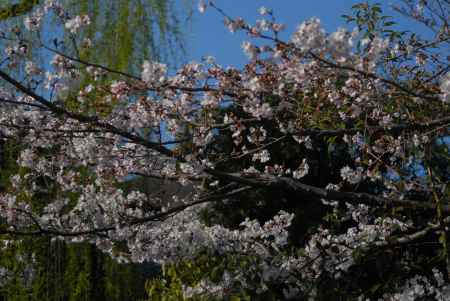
(317, 193)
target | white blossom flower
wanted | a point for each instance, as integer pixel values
(33, 22)
(445, 88)
(264, 11)
(153, 72)
(352, 176)
(309, 35)
(74, 24)
(301, 171)
(202, 6)
(250, 50)
(262, 156)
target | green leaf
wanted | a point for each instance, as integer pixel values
(389, 23)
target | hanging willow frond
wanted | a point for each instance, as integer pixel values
(18, 9)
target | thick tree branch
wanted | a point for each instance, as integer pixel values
(317, 193)
(86, 119)
(394, 129)
(42, 231)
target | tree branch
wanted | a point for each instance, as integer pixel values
(138, 221)
(86, 119)
(317, 193)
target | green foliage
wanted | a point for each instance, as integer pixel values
(189, 273)
(123, 33)
(17, 9)
(69, 272)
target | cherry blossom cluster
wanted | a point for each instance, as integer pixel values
(420, 287)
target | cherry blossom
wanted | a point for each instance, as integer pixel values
(347, 123)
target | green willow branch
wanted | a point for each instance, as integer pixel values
(17, 9)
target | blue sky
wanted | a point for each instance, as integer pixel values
(208, 36)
